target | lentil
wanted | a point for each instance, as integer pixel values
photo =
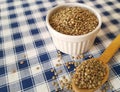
(56, 90)
(24, 56)
(67, 63)
(60, 71)
(63, 77)
(68, 67)
(53, 77)
(13, 71)
(73, 57)
(21, 62)
(90, 56)
(52, 70)
(61, 81)
(58, 60)
(58, 65)
(53, 83)
(55, 73)
(38, 68)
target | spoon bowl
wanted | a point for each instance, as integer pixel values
(76, 89)
(105, 58)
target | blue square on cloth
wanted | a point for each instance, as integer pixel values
(97, 40)
(1, 40)
(28, 12)
(44, 57)
(11, 8)
(80, 1)
(31, 21)
(25, 5)
(44, 17)
(118, 0)
(98, 6)
(39, 2)
(2, 70)
(109, 3)
(39, 43)
(117, 69)
(9, 1)
(19, 48)
(103, 25)
(86, 57)
(1, 53)
(14, 25)
(117, 10)
(114, 21)
(34, 31)
(16, 36)
(0, 28)
(51, 0)
(92, 0)
(49, 74)
(71, 68)
(27, 83)
(106, 13)
(12, 16)
(110, 35)
(24, 65)
(42, 9)
(3, 89)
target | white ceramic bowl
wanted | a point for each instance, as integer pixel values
(73, 45)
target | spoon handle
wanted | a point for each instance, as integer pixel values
(110, 50)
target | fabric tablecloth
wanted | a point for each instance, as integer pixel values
(27, 52)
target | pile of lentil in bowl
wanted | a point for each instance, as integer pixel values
(73, 20)
(89, 74)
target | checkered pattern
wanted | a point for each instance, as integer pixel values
(24, 37)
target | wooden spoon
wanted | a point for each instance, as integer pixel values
(105, 57)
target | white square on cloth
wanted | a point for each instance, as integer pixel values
(12, 77)
(35, 70)
(50, 47)
(8, 45)
(115, 83)
(24, 28)
(42, 88)
(17, 3)
(66, 76)
(10, 59)
(117, 57)
(6, 32)
(31, 53)
(26, 39)
(55, 62)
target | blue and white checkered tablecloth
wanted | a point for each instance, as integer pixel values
(27, 52)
